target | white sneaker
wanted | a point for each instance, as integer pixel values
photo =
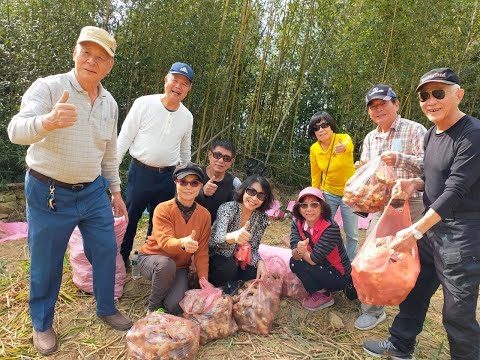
(367, 321)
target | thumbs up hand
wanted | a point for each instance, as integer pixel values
(189, 244)
(210, 187)
(241, 236)
(340, 147)
(302, 247)
(62, 115)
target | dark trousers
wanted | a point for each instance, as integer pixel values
(222, 269)
(146, 188)
(449, 255)
(317, 277)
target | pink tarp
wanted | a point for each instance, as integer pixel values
(13, 231)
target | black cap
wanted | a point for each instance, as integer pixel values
(380, 91)
(442, 75)
(188, 168)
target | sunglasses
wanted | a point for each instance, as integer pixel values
(252, 192)
(193, 183)
(313, 205)
(323, 125)
(438, 94)
(218, 155)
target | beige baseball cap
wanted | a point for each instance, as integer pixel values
(99, 36)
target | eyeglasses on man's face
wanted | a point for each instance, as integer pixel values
(438, 94)
(252, 192)
(218, 155)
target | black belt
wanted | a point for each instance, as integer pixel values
(49, 180)
(153, 168)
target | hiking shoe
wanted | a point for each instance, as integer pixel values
(118, 321)
(367, 321)
(385, 348)
(318, 300)
(45, 341)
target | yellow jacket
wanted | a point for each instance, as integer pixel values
(340, 168)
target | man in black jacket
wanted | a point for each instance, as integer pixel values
(447, 234)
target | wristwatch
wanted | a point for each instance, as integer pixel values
(416, 234)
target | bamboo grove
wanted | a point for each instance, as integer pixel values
(263, 67)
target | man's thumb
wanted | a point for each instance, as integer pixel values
(194, 233)
(212, 179)
(64, 97)
(247, 225)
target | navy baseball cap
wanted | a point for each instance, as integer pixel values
(380, 91)
(183, 69)
(442, 75)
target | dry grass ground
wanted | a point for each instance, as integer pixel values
(296, 333)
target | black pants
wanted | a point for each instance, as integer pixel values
(222, 269)
(317, 277)
(449, 255)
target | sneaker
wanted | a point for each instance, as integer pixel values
(367, 321)
(118, 321)
(318, 300)
(45, 341)
(385, 348)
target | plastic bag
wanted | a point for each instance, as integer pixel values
(163, 336)
(211, 310)
(293, 287)
(369, 189)
(255, 307)
(382, 276)
(81, 267)
(276, 271)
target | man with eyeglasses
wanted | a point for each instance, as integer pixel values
(399, 142)
(157, 132)
(70, 122)
(218, 183)
(447, 235)
(181, 229)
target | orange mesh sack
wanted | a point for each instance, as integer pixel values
(211, 310)
(163, 336)
(382, 276)
(369, 189)
(255, 307)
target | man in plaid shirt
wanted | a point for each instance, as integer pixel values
(400, 143)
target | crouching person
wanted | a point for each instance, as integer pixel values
(319, 258)
(181, 229)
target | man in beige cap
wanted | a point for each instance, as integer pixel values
(69, 122)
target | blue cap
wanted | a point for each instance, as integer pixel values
(380, 91)
(183, 69)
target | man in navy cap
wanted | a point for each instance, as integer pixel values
(399, 142)
(447, 235)
(157, 132)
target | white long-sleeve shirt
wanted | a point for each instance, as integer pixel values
(155, 136)
(76, 154)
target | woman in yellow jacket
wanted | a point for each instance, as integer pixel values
(331, 163)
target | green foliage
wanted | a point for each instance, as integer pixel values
(262, 67)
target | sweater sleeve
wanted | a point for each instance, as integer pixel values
(130, 129)
(325, 245)
(294, 235)
(164, 231)
(225, 215)
(259, 226)
(201, 255)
